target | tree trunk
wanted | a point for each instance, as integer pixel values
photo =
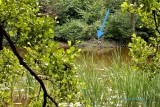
(133, 19)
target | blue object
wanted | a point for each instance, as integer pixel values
(100, 32)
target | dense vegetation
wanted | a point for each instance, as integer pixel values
(79, 19)
(118, 84)
(34, 71)
(43, 74)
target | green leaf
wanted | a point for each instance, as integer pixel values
(28, 43)
(68, 51)
(69, 43)
(79, 50)
(40, 35)
(50, 30)
(11, 33)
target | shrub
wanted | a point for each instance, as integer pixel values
(78, 19)
(119, 26)
(71, 30)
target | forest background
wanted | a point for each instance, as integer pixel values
(80, 19)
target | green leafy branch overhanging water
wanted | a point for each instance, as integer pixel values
(51, 66)
(146, 56)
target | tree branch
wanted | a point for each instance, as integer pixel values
(1, 41)
(154, 14)
(21, 61)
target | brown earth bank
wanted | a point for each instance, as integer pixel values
(94, 44)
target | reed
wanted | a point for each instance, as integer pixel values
(118, 84)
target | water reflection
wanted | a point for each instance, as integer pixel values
(105, 55)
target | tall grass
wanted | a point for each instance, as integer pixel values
(117, 85)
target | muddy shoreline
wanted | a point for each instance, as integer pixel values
(94, 44)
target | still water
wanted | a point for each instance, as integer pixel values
(105, 55)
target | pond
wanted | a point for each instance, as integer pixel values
(105, 55)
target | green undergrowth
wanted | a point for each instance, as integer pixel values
(118, 84)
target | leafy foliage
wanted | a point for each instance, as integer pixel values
(90, 14)
(33, 32)
(119, 26)
(47, 8)
(70, 31)
(80, 17)
(146, 57)
(114, 5)
(76, 30)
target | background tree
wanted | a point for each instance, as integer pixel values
(83, 18)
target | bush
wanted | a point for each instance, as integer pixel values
(90, 31)
(76, 30)
(70, 31)
(90, 14)
(118, 26)
(67, 10)
(78, 19)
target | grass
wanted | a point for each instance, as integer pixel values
(117, 85)
(113, 85)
